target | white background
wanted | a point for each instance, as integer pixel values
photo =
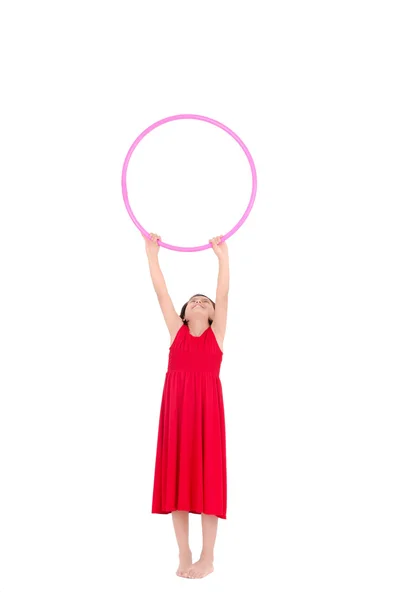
(309, 369)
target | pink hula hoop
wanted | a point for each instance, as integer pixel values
(200, 118)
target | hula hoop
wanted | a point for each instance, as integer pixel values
(200, 118)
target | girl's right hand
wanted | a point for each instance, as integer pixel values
(152, 247)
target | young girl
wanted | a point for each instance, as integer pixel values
(190, 468)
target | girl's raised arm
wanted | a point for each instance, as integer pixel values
(222, 289)
(172, 319)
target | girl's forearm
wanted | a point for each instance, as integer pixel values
(223, 276)
(157, 275)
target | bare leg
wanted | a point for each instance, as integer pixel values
(180, 519)
(204, 566)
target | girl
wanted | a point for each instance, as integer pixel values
(190, 468)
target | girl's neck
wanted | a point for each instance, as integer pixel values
(198, 329)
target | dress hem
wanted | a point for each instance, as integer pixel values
(195, 512)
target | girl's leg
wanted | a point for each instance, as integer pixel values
(204, 566)
(180, 519)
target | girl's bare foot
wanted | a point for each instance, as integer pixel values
(201, 568)
(185, 562)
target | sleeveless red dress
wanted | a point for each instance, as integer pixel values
(190, 467)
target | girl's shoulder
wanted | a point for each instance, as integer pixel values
(175, 332)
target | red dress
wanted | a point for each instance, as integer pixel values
(190, 467)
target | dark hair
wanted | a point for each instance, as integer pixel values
(183, 310)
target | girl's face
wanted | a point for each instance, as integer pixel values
(199, 307)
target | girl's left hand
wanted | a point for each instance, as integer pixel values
(220, 248)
